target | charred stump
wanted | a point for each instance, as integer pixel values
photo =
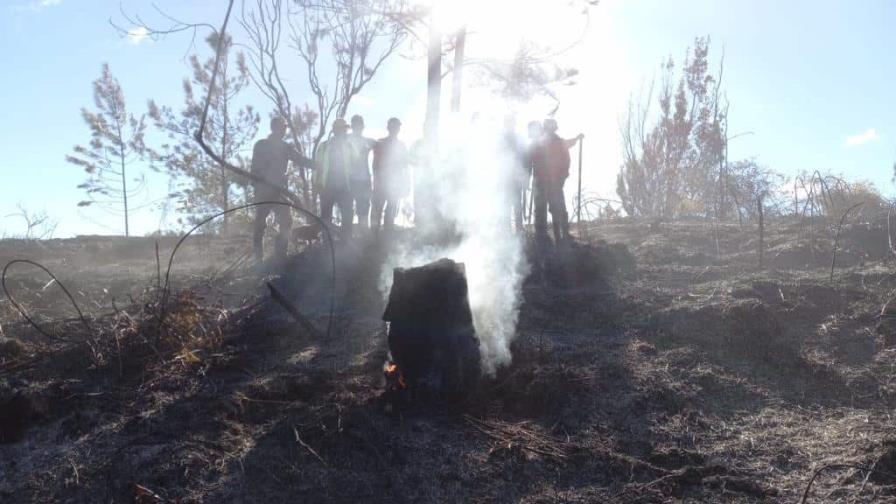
(432, 339)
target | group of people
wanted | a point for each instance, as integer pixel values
(546, 160)
(343, 177)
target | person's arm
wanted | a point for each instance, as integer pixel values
(377, 157)
(573, 141)
(256, 166)
(298, 158)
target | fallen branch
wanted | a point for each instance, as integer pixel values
(839, 466)
(19, 308)
(307, 447)
(292, 310)
(508, 435)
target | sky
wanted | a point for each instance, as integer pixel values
(811, 81)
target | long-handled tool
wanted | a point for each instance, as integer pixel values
(579, 201)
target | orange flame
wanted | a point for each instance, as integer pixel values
(392, 371)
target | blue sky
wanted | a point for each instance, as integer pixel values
(812, 80)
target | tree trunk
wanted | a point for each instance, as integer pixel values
(434, 82)
(761, 230)
(457, 81)
(124, 187)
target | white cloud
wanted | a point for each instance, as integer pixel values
(137, 34)
(868, 135)
(33, 5)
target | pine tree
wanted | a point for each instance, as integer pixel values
(204, 186)
(116, 143)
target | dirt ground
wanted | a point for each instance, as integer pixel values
(653, 363)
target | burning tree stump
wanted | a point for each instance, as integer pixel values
(431, 335)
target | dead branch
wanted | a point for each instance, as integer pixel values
(280, 299)
(326, 232)
(839, 466)
(837, 237)
(514, 434)
(308, 447)
(19, 308)
(761, 230)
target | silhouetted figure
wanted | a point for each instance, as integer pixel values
(550, 165)
(518, 175)
(270, 159)
(391, 180)
(333, 165)
(359, 178)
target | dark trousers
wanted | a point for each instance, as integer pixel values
(283, 220)
(361, 195)
(342, 198)
(549, 195)
(517, 205)
(386, 202)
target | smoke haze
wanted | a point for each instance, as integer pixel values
(471, 187)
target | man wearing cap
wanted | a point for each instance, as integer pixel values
(333, 164)
(550, 166)
(359, 178)
(270, 159)
(391, 180)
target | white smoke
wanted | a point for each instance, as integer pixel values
(471, 187)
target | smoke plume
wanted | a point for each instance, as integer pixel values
(470, 185)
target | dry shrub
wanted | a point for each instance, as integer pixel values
(189, 327)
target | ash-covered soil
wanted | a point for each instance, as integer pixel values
(653, 363)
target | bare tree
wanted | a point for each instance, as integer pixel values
(342, 44)
(38, 225)
(746, 183)
(670, 163)
(208, 187)
(116, 142)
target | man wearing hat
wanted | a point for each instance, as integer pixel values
(333, 164)
(270, 159)
(391, 179)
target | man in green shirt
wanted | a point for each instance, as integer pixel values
(333, 164)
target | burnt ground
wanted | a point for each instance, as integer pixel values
(653, 363)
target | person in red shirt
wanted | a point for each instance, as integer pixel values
(550, 168)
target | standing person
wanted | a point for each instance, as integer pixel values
(333, 164)
(359, 178)
(550, 164)
(517, 175)
(390, 175)
(270, 158)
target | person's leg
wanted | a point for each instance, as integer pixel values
(561, 206)
(326, 206)
(391, 211)
(344, 201)
(261, 215)
(518, 197)
(376, 212)
(362, 203)
(541, 214)
(557, 204)
(283, 217)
